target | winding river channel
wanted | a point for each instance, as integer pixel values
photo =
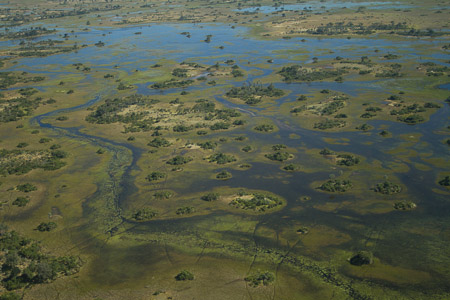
(130, 52)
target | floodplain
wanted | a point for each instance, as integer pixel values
(203, 150)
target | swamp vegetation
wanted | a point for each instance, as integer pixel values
(224, 150)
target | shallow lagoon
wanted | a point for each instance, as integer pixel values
(360, 219)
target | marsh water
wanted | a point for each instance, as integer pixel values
(405, 243)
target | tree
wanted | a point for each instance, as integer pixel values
(44, 272)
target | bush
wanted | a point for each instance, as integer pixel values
(278, 147)
(247, 148)
(144, 214)
(387, 188)
(445, 181)
(184, 275)
(179, 160)
(364, 127)
(26, 187)
(223, 175)
(172, 83)
(178, 72)
(265, 278)
(298, 73)
(252, 93)
(185, 210)
(347, 160)
(44, 140)
(46, 226)
(264, 128)
(21, 201)
(278, 156)
(221, 158)
(181, 128)
(154, 176)
(239, 122)
(336, 185)
(220, 126)
(163, 195)
(210, 197)
(158, 142)
(208, 145)
(302, 98)
(258, 202)
(290, 167)
(326, 151)
(362, 258)
(332, 107)
(328, 124)
(403, 205)
(412, 119)
(22, 145)
(384, 133)
(10, 296)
